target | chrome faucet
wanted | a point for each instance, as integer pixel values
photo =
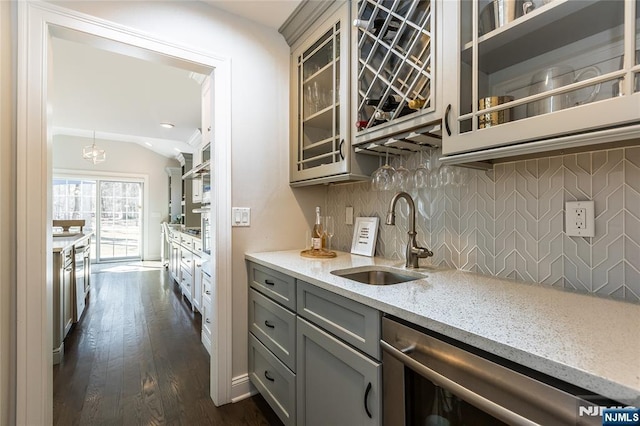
(413, 252)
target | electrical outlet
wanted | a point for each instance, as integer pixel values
(348, 219)
(580, 219)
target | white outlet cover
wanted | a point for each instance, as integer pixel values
(571, 219)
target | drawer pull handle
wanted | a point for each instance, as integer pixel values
(268, 324)
(366, 396)
(269, 282)
(208, 292)
(269, 378)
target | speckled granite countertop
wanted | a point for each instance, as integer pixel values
(591, 342)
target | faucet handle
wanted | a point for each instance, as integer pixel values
(421, 252)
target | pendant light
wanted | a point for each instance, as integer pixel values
(92, 153)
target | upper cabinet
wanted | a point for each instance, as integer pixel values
(320, 136)
(397, 73)
(540, 75)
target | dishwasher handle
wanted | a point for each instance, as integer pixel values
(501, 413)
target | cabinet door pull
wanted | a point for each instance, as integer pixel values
(268, 324)
(269, 282)
(269, 378)
(340, 149)
(366, 396)
(446, 119)
(208, 292)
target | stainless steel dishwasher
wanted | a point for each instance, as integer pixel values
(430, 380)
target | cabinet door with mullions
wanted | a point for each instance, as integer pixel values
(320, 76)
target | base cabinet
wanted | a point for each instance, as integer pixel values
(337, 385)
(313, 354)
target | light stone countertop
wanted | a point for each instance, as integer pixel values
(62, 243)
(588, 341)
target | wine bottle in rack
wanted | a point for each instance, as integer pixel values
(317, 234)
(416, 103)
(377, 24)
(389, 104)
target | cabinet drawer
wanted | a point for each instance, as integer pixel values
(274, 380)
(206, 286)
(186, 282)
(186, 241)
(197, 247)
(356, 324)
(186, 259)
(206, 312)
(274, 284)
(274, 326)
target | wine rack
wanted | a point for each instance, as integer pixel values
(395, 52)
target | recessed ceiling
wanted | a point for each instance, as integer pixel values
(123, 98)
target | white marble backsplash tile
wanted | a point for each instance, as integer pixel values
(509, 221)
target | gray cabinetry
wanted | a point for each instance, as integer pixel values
(336, 384)
(558, 75)
(353, 322)
(274, 380)
(335, 345)
(321, 148)
(397, 68)
(274, 284)
(274, 325)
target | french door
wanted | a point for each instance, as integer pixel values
(112, 210)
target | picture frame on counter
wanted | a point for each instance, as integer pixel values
(365, 233)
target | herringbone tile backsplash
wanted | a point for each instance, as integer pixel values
(509, 221)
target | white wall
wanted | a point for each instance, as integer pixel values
(124, 158)
(260, 93)
(7, 215)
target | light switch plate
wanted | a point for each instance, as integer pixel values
(241, 216)
(580, 219)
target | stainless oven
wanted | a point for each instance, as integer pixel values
(430, 380)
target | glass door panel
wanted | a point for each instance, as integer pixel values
(75, 198)
(120, 220)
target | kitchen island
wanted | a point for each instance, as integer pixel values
(70, 285)
(587, 341)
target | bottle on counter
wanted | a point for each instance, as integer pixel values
(317, 234)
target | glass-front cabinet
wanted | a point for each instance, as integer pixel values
(321, 85)
(545, 72)
(321, 137)
(396, 67)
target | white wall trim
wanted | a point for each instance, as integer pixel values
(241, 388)
(37, 22)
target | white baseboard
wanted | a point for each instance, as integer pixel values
(241, 388)
(58, 353)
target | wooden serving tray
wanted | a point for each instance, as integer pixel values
(318, 254)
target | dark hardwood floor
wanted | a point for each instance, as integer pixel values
(135, 358)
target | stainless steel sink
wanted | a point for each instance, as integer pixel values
(378, 275)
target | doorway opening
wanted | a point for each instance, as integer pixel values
(40, 23)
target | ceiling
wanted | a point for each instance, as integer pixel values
(124, 98)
